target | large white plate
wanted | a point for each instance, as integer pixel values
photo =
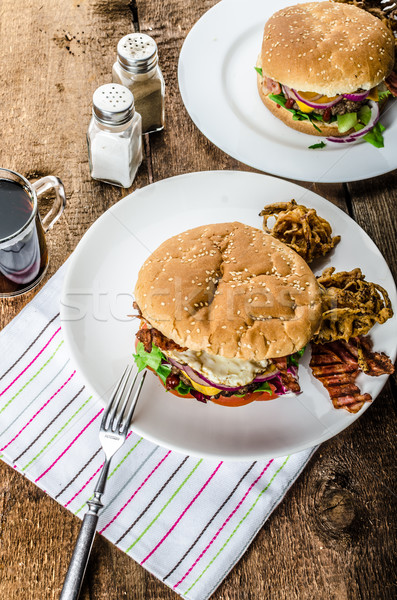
(97, 297)
(217, 81)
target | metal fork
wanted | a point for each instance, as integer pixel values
(112, 434)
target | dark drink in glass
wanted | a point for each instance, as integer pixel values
(23, 249)
(23, 257)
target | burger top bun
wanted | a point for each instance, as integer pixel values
(327, 47)
(231, 290)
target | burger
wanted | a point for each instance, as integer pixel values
(225, 312)
(322, 70)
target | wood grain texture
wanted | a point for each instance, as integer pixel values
(333, 536)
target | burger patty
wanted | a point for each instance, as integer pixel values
(343, 107)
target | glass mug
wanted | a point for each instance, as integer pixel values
(23, 248)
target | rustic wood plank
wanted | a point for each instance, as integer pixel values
(46, 106)
(374, 207)
(332, 536)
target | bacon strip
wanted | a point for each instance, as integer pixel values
(271, 86)
(337, 365)
(149, 336)
(337, 376)
(391, 83)
(372, 363)
(287, 379)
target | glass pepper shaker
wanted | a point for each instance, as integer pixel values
(114, 136)
(137, 68)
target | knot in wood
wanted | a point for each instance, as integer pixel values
(336, 511)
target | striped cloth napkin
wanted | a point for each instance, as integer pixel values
(185, 519)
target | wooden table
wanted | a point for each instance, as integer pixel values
(333, 535)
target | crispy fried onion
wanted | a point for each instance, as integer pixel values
(351, 305)
(300, 228)
(337, 365)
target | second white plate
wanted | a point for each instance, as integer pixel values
(217, 81)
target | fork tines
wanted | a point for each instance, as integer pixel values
(116, 417)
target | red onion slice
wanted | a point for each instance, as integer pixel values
(342, 140)
(314, 104)
(290, 94)
(358, 96)
(267, 377)
(352, 137)
(199, 378)
(175, 363)
(287, 92)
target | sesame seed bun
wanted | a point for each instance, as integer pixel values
(231, 290)
(327, 47)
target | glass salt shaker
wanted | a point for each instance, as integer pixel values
(137, 68)
(114, 136)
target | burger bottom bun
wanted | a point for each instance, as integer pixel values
(285, 116)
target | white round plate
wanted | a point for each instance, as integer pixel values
(217, 81)
(98, 294)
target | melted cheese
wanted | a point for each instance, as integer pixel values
(225, 371)
(204, 389)
(309, 95)
(373, 95)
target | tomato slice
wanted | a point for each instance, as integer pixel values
(247, 399)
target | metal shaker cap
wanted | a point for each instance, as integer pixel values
(137, 53)
(113, 104)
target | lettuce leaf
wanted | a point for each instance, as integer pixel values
(148, 359)
(364, 115)
(347, 121)
(264, 387)
(258, 70)
(297, 115)
(384, 95)
(294, 358)
(375, 136)
(319, 145)
(153, 359)
(182, 388)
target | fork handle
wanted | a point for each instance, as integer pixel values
(78, 563)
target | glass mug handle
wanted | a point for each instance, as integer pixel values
(43, 185)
